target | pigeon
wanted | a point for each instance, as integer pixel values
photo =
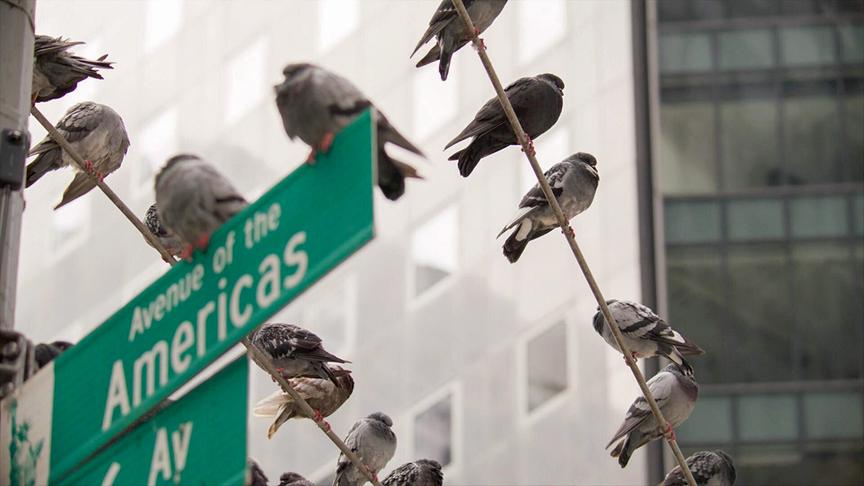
(645, 333)
(374, 443)
(675, 392)
(45, 353)
(320, 393)
(451, 33)
(293, 479)
(165, 236)
(97, 133)
(194, 200)
(254, 475)
(424, 472)
(56, 71)
(316, 104)
(573, 182)
(708, 468)
(295, 351)
(537, 101)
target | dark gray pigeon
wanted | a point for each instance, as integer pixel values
(45, 353)
(374, 442)
(537, 102)
(194, 200)
(316, 104)
(56, 71)
(449, 30)
(424, 472)
(254, 474)
(295, 351)
(573, 182)
(645, 333)
(293, 479)
(165, 236)
(97, 133)
(321, 394)
(675, 393)
(708, 468)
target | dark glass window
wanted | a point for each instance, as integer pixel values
(692, 221)
(546, 363)
(685, 52)
(812, 154)
(687, 148)
(433, 432)
(808, 45)
(746, 49)
(749, 144)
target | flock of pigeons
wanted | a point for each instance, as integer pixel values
(193, 199)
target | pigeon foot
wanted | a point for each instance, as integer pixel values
(326, 142)
(529, 147)
(669, 433)
(203, 242)
(187, 251)
(320, 419)
(481, 44)
(310, 159)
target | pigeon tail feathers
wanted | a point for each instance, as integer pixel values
(80, 185)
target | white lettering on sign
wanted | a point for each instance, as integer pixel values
(179, 291)
(118, 395)
(161, 464)
(111, 475)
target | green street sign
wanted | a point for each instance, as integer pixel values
(200, 439)
(256, 263)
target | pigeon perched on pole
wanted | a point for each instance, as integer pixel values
(374, 442)
(645, 333)
(451, 33)
(316, 104)
(169, 240)
(675, 393)
(573, 182)
(194, 200)
(708, 468)
(97, 133)
(537, 101)
(293, 479)
(295, 351)
(254, 474)
(320, 393)
(424, 472)
(45, 353)
(56, 71)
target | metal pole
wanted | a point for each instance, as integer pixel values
(16, 59)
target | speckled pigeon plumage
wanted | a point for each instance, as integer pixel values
(56, 71)
(97, 133)
(316, 104)
(450, 32)
(645, 333)
(295, 351)
(573, 182)
(675, 394)
(254, 474)
(374, 442)
(169, 240)
(424, 472)
(293, 479)
(320, 393)
(708, 469)
(194, 200)
(537, 101)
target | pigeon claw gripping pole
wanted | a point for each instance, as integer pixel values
(529, 146)
(669, 433)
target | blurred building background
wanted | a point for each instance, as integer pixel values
(730, 141)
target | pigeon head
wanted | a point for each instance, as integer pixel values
(290, 477)
(553, 80)
(729, 463)
(679, 370)
(62, 345)
(292, 71)
(177, 159)
(381, 417)
(430, 464)
(592, 161)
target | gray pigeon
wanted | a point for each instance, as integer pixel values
(165, 236)
(56, 71)
(708, 468)
(424, 472)
(316, 104)
(293, 479)
(450, 31)
(537, 102)
(45, 353)
(254, 475)
(374, 442)
(194, 200)
(675, 392)
(295, 351)
(97, 133)
(320, 393)
(645, 333)
(573, 182)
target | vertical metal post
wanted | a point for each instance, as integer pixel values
(16, 57)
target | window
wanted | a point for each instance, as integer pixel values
(542, 23)
(435, 103)
(245, 83)
(746, 49)
(767, 417)
(819, 216)
(545, 366)
(685, 52)
(71, 226)
(163, 20)
(686, 147)
(755, 219)
(852, 42)
(749, 145)
(435, 250)
(692, 221)
(711, 421)
(804, 46)
(552, 147)
(156, 143)
(434, 429)
(336, 20)
(811, 123)
(831, 415)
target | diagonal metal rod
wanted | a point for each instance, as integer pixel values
(569, 234)
(265, 363)
(79, 161)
